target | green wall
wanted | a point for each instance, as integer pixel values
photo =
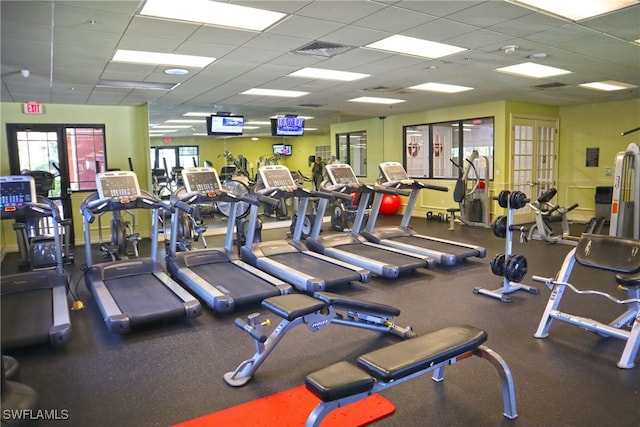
(580, 127)
(211, 148)
(126, 130)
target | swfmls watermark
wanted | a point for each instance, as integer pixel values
(35, 414)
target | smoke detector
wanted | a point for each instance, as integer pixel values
(509, 49)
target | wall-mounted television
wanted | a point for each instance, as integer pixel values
(287, 126)
(282, 149)
(225, 125)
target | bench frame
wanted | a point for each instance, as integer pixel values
(330, 309)
(612, 329)
(506, 379)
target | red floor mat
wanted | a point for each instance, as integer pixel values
(290, 408)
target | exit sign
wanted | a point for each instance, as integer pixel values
(33, 108)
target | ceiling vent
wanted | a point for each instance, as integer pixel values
(553, 85)
(311, 105)
(382, 89)
(323, 49)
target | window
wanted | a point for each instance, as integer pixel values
(85, 156)
(352, 149)
(434, 150)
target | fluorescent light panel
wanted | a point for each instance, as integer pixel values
(128, 84)
(441, 87)
(576, 10)
(196, 114)
(184, 121)
(171, 127)
(159, 58)
(374, 100)
(325, 74)
(415, 47)
(530, 69)
(212, 13)
(274, 92)
(607, 85)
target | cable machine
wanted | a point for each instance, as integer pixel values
(625, 206)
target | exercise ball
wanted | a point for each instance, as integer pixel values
(390, 204)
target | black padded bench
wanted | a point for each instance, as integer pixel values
(315, 312)
(343, 383)
(620, 255)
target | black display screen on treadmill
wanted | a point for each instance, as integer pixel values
(395, 173)
(14, 194)
(202, 182)
(118, 187)
(278, 178)
(342, 175)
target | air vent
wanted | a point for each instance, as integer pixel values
(311, 105)
(382, 89)
(323, 49)
(553, 85)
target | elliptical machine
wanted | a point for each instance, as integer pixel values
(35, 235)
(546, 213)
(472, 192)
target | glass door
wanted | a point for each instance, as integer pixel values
(534, 160)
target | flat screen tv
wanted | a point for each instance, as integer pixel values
(282, 149)
(287, 126)
(225, 125)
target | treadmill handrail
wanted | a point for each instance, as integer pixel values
(413, 185)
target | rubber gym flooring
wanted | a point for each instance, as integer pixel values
(172, 372)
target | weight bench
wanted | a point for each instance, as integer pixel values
(343, 383)
(620, 255)
(316, 312)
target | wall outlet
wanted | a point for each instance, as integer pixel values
(607, 171)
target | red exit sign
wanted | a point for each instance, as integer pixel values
(33, 108)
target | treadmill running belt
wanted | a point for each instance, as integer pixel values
(144, 298)
(243, 286)
(459, 252)
(404, 262)
(26, 318)
(332, 274)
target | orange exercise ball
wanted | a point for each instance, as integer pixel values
(390, 204)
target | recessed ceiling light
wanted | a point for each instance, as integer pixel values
(213, 13)
(374, 100)
(257, 123)
(529, 69)
(607, 85)
(274, 92)
(176, 71)
(172, 127)
(440, 87)
(196, 114)
(126, 84)
(159, 58)
(537, 56)
(324, 74)
(415, 47)
(575, 9)
(255, 138)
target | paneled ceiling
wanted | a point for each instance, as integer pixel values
(67, 46)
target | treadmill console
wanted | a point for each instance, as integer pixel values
(393, 172)
(120, 186)
(342, 174)
(15, 192)
(201, 180)
(276, 176)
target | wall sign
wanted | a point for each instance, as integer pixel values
(33, 108)
(593, 155)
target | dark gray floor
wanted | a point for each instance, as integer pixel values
(173, 372)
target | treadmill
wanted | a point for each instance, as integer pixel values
(349, 247)
(216, 275)
(444, 252)
(290, 260)
(135, 292)
(34, 304)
